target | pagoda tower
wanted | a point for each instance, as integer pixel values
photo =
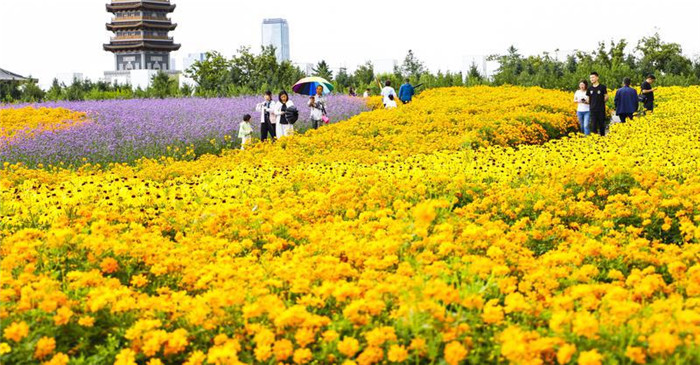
(141, 40)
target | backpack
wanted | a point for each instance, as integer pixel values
(292, 114)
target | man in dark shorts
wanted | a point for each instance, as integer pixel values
(648, 93)
(597, 96)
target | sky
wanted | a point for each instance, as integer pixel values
(45, 38)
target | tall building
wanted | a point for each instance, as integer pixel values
(275, 32)
(141, 40)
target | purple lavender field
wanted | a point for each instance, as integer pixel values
(127, 130)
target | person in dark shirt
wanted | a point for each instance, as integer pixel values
(626, 101)
(648, 93)
(597, 96)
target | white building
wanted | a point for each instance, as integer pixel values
(187, 62)
(275, 32)
(67, 78)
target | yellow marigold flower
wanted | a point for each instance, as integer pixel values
(109, 265)
(154, 362)
(419, 346)
(58, 359)
(44, 347)
(662, 343)
(636, 354)
(565, 353)
(349, 346)
(591, 357)
(5, 348)
(330, 336)
(302, 356)
(63, 316)
(492, 312)
(585, 324)
(86, 321)
(263, 352)
(139, 281)
(454, 353)
(196, 358)
(305, 337)
(125, 357)
(16, 331)
(397, 353)
(283, 349)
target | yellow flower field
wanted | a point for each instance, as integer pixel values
(446, 231)
(29, 121)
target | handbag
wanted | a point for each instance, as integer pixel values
(325, 118)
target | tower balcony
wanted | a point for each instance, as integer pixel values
(140, 38)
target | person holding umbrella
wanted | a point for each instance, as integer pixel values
(317, 103)
(316, 88)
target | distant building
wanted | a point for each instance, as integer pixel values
(305, 67)
(141, 40)
(67, 78)
(275, 32)
(187, 62)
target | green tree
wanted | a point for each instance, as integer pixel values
(323, 70)
(212, 75)
(31, 92)
(658, 56)
(412, 66)
(343, 80)
(55, 91)
(364, 74)
(162, 86)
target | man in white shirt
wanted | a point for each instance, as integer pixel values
(386, 91)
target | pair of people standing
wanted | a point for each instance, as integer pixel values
(273, 116)
(627, 100)
(591, 105)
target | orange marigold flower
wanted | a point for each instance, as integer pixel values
(455, 352)
(44, 347)
(16, 331)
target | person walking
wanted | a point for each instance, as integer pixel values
(626, 101)
(245, 131)
(351, 91)
(391, 103)
(366, 93)
(583, 110)
(597, 96)
(647, 97)
(386, 91)
(317, 103)
(284, 127)
(406, 92)
(267, 121)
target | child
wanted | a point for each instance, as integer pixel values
(391, 103)
(245, 131)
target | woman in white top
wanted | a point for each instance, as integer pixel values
(284, 128)
(386, 91)
(584, 109)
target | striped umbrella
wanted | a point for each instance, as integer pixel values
(307, 85)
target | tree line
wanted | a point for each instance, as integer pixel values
(248, 73)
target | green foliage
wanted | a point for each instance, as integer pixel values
(162, 86)
(31, 92)
(613, 62)
(323, 70)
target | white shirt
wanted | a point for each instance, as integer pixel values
(365, 95)
(390, 104)
(386, 91)
(581, 95)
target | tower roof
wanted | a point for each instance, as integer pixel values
(141, 45)
(122, 5)
(141, 24)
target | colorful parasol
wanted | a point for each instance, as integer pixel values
(307, 85)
